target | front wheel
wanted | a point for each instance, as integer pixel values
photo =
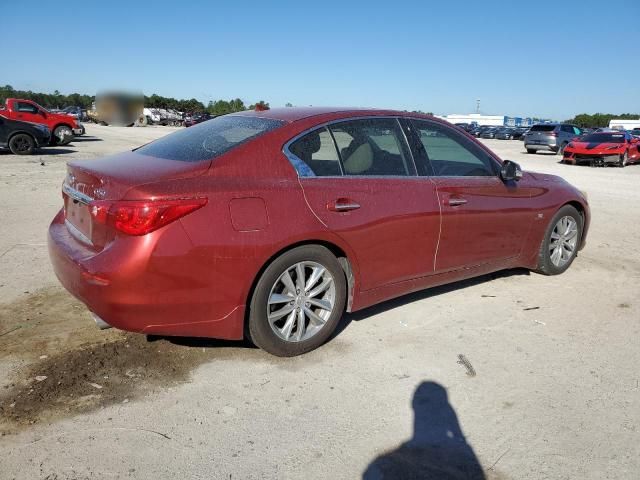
(624, 159)
(298, 301)
(62, 135)
(530, 150)
(561, 149)
(561, 241)
(22, 144)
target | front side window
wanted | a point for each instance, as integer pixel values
(372, 147)
(450, 154)
(315, 154)
(210, 139)
(26, 107)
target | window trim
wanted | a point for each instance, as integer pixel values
(494, 162)
(293, 159)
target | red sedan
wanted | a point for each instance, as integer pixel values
(270, 225)
(603, 148)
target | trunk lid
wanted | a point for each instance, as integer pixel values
(110, 178)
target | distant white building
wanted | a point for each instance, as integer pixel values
(497, 120)
(475, 118)
(619, 123)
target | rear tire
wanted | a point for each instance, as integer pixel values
(273, 336)
(530, 150)
(558, 238)
(22, 144)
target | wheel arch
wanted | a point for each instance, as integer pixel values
(21, 132)
(343, 258)
(61, 124)
(585, 221)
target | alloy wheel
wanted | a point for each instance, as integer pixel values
(563, 241)
(301, 301)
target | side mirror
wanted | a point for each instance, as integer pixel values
(510, 171)
(41, 112)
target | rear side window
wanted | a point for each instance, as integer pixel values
(210, 139)
(372, 147)
(543, 128)
(315, 154)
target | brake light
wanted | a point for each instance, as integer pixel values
(553, 134)
(141, 217)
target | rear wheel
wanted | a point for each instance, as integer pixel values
(298, 301)
(624, 160)
(530, 150)
(22, 144)
(561, 241)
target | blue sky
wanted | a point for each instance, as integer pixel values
(542, 58)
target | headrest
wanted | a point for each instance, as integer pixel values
(360, 160)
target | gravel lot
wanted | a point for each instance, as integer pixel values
(555, 394)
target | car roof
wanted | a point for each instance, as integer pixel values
(292, 114)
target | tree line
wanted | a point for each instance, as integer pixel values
(58, 100)
(600, 119)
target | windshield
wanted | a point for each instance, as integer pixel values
(604, 138)
(209, 139)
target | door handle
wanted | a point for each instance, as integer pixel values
(457, 201)
(342, 205)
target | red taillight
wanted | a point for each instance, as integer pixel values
(553, 134)
(141, 217)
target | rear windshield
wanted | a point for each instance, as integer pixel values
(209, 139)
(543, 128)
(604, 138)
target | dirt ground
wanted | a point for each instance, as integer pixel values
(555, 393)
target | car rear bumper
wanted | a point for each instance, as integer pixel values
(540, 146)
(138, 286)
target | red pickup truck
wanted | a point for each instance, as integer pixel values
(63, 127)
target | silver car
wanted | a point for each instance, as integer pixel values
(550, 136)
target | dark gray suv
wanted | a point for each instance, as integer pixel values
(550, 136)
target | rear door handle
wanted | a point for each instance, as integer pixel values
(457, 201)
(342, 205)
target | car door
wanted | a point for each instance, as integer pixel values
(27, 112)
(484, 220)
(359, 180)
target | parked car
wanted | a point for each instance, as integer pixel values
(23, 138)
(489, 132)
(519, 132)
(603, 148)
(79, 113)
(271, 224)
(476, 131)
(63, 127)
(505, 133)
(194, 119)
(550, 136)
(635, 132)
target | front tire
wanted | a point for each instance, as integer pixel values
(624, 160)
(530, 150)
(62, 135)
(22, 144)
(561, 149)
(297, 302)
(561, 242)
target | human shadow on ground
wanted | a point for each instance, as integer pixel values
(438, 449)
